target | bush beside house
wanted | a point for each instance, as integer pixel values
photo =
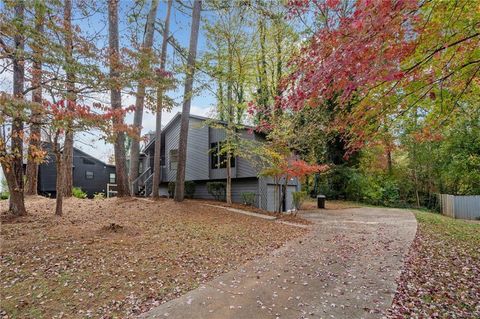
(189, 189)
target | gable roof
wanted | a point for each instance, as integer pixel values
(46, 145)
(90, 156)
(192, 116)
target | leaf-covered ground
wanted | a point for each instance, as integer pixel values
(117, 258)
(285, 217)
(441, 278)
(311, 203)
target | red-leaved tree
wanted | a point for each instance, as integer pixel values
(380, 59)
(67, 115)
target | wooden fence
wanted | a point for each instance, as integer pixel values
(462, 207)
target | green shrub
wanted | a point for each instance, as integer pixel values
(217, 190)
(333, 183)
(390, 193)
(364, 188)
(171, 189)
(78, 193)
(98, 196)
(189, 189)
(4, 195)
(248, 198)
(298, 199)
(4, 185)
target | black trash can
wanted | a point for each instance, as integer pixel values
(321, 201)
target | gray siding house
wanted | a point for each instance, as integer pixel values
(89, 173)
(202, 164)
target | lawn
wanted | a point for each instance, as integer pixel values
(119, 257)
(441, 278)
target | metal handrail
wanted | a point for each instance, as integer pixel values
(141, 175)
(146, 184)
(135, 182)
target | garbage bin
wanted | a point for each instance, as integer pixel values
(321, 201)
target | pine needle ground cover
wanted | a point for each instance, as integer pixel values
(117, 258)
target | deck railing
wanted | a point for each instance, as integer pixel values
(140, 181)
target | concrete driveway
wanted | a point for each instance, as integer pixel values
(344, 268)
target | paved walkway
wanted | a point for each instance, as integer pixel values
(344, 268)
(244, 212)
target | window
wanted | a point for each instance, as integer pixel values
(112, 178)
(217, 159)
(87, 161)
(88, 175)
(173, 159)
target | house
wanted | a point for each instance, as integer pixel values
(204, 164)
(3, 181)
(89, 173)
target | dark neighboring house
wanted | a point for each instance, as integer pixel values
(89, 173)
(204, 164)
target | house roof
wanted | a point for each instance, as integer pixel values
(47, 144)
(94, 158)
(198, 117)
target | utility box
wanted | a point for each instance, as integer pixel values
(321, 201)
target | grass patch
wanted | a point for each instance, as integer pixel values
(441, 278)
(449, 228)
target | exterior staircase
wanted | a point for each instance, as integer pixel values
(143, 185)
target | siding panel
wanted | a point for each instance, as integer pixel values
(197, 151)
(47, 173)
(239, 186)
(171, 143)
(245, 168)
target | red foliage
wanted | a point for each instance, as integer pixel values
(300, 169)
(67, 113)
(352, 52)
(359, 45)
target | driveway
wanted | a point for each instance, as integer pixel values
(344, 268)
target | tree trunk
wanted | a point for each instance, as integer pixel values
(14, 174)
(263, 77)
(35, 132)
(123, 188)
(71, 98)
(187, 100)
(389, 161)
(278, 45)
(229, 179)
(278, 192)
(68, 164)
(284, 195)
(140, 98)
(60, 180)
(229, 121)
(157, 169)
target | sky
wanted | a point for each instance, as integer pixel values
(202, 103)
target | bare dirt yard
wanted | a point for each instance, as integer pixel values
(116, 258)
